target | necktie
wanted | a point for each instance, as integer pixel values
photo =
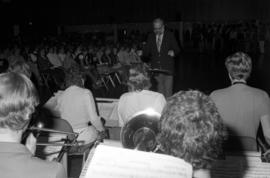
(158, 42)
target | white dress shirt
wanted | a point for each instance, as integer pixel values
(133, 102)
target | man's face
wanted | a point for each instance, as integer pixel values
(158, 28)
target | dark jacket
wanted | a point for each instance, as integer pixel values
(161, 60)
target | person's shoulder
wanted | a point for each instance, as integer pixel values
(220, 92)
(75, 88)
(152, 93)
(52, 167)
(258, 92)
(126, 95)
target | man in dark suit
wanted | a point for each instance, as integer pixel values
(162, 47)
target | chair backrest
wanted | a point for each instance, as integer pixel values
(240, 143)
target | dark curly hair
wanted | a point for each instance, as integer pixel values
(191, 129)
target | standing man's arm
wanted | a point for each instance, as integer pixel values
(174, 45)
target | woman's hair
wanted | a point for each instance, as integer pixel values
(21, 67)
(138, 77)
(73, 76)
(18, 98)
(191, 128)
(239, 66)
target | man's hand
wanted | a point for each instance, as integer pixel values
(171, 53)
(31, 142)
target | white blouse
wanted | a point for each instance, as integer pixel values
(133, 102)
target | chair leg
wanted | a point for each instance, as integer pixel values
(117, 77)
(45, 80)
(104, 83)
(111, 80)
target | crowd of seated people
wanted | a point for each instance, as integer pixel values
(192, 124)
(56, 57)
(228, 37)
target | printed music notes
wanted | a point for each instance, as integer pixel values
(113, 162)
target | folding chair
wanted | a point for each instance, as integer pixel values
(240, 143)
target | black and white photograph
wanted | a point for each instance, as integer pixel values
(134, 89)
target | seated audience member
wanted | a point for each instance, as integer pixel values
(43, 61)
(24, 68)
(54, 58)
(242, 107)
(20, 67)
(15, 56)
(17, 103)
(77, 105)
(192, 129)
(139, 96)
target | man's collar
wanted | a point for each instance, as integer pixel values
(238, 82)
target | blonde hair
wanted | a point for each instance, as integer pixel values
(138, 77)
(18, 98)
(239, 66)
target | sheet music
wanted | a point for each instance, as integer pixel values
(86, 164)
(114, 143)
(108, 110)
(116, 162)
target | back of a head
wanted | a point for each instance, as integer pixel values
(138, 78)
(191, 129)
(73, 77)
(18, 98)
(239, 66)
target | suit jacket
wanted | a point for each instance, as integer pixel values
(16, 161)
(161, 60)
(241, 108)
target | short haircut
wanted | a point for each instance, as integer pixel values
(18, 98)
(239, 66)
(138, 77)
(191, 129)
